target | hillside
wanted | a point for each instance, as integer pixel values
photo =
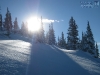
(51, 60)
(20, 57)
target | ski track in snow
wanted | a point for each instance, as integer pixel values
(51, 60)
(14, 57)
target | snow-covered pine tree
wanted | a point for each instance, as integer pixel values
(79, 44)
(58, 41)
(40, 34)
(84, 42)
(90, 39)
(96, 51)
(22, 28)
(55, 42)
(62, 41)
(51, 34)
(16, 27)
(47, 38)
(8, 23)
(72, 37)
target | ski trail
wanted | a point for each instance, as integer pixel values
(48, 60)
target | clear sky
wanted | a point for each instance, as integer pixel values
(59, 11)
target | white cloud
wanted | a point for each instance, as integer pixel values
(57, 21)
(48, 21)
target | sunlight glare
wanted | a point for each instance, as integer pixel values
(33, 24)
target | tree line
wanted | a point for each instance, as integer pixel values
(87, 43)
(7, 27)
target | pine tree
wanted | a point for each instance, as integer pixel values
(72, 38)
(16, 27)
(47, 38)
(51, 35)
(22, 28)
(58, 41)
(62, 41)
(84, 42)
(40, 34)
(50, 38)
(79, 44)
(8, 23)
(96, 51)
(0, 22)
(90, 39)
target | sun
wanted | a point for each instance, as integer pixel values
(33, 24)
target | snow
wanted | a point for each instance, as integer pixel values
(14, 56)
(85, 61)
(19, 37)
(20, 56)
(51, 60)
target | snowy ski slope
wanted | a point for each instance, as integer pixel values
(14, 56)
(51, 60)
(18, 56)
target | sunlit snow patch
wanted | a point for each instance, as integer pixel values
(15, 49)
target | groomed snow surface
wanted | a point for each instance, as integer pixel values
(19, 56)
(14, 55)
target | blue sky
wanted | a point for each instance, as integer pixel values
(60, 10)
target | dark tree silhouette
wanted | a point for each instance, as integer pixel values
(8, 23)
(90, 39)
(72, 38)
(84, 42)
(62, 41)
(96, 51)
(16, 27)
(51, 34)
(0, 21)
